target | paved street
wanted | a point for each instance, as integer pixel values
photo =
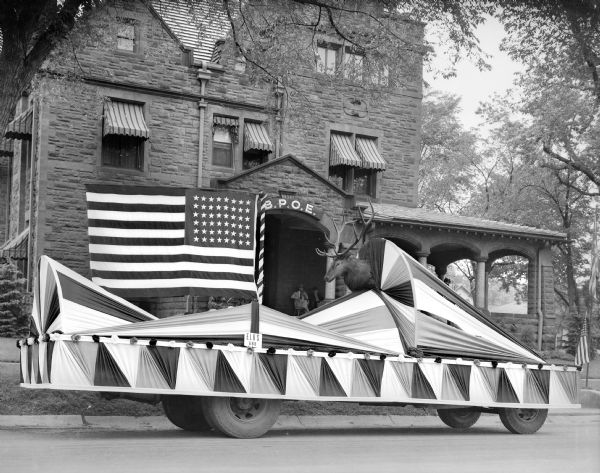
(565, 444)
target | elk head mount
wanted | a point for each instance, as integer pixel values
(356, 272)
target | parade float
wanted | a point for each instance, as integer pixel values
(406, 340)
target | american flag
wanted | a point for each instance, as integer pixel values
(156, 242)
(582, 355)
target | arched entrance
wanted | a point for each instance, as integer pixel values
(290, 258)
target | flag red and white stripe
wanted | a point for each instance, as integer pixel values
(582, 354)
(151, 241)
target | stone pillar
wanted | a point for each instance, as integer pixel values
(422, 257)
(480, 281)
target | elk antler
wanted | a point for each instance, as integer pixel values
(357, 238)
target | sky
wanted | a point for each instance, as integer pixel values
(472, 85)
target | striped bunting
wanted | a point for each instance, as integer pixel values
(160, 242)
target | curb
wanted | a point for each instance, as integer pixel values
(146, 423)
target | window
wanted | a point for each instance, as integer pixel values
(126, 35)
(222, 154)
(354, 162)
(123, 152)
(257, 145)
(353, 66)
(124, 133)
(327, 59)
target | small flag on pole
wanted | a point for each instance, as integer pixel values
(156, 242)
(582, 354)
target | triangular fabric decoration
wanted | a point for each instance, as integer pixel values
(276, 367)
(28, 362)
(260, 381)
(53, 312)
(68, 368)
(558, 394)
(506, 392)
(404, 372)
(421, 389)
(568, 381)
(149, 374)
(42, 364)
(311, 368)
(34, 366)
(297, 381)
(479, 387)
(361, 387)
(329, 385)
(433, 372)
(491, 376)
(197, 369)
(462, 376)
(23, 373)
(537, 386)
(225, 378)
(403, 293)
(404, 319)
(241, 363)
(107, 371)
(342, 369)
(373, 370)
(127, 358)
(166, 359)
(516, 376)
(450, 388)
(85, 356)
(49, 352)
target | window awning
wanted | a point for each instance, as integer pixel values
(342, 151)
(256, 137)
(227, 122)
(370, 157)
(20, 127)
(16, 248)
(126, 119)
(6, 147)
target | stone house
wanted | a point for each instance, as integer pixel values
(162, 102)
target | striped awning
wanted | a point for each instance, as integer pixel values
(6, 147)
(127, 119)
(256, 137)
(20, 127)
(370, 157)
(343, 152)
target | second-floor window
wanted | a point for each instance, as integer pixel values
(327, 59)
(354, 163)
(124, 134)
(353, 66)
(126, 35)
(225, 135)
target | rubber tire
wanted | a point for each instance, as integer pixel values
(185, 412)
(523, 421)
(459, 418)
(242, 418)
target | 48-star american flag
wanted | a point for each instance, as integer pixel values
(152, 241)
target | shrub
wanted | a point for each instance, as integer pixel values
(13, 317)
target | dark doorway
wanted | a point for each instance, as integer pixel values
(291, 260)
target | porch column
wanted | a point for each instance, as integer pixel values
(422, 257)
(480, 283)
(329, 286)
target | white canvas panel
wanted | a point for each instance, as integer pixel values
(557, 392)
(391, 387)
(394, 270)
